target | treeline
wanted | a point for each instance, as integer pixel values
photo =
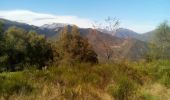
(20, 49)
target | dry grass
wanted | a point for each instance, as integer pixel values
(122, 81)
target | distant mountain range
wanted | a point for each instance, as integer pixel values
(125, 43)
(126, 33)
(44, 31)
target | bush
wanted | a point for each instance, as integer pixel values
(14, 84)
(124, 89)
(20, 47)
(147, 96)
(93, 78)
(165, 80)
(160, 72)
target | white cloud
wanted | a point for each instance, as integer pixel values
(39, 19)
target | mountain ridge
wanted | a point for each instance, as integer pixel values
(130, 48)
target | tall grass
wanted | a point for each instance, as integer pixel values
(83, 81)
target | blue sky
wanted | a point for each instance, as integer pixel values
(138, 15)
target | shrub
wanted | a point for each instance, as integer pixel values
(124, 90)
(165, 80)
(93, 78)
(160, 72)
(147, 96)
(14, 84)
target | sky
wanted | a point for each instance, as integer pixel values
(138, 15)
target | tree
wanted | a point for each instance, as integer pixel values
(163, 39)
(110, 25)
(2, 56)
(1, 36)
(22, 47)
(38, 50)
(160, 45)
(14, 47)
(73, 48)
(62, 45)
(1, 28)
(75, 31)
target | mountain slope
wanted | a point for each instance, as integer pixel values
(148, 36)
(121, 47)
(45, 31)
(126, 33)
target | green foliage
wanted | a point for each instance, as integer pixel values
(147, 96)
(2, 58)
(163, 33)
(14, 47)
(124, 90)
(70, 69)
(1, 29)
(166, 79)
(121, 81)
(161, 72)
(13, 83)
(159, 46)
(158, 71)
(38, 51)
(21, 48)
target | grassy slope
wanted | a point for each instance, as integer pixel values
(122, 81)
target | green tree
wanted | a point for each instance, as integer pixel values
(38, 50)
(2, 57)
(14, 47)
(21, 48)
(1, 36)
(1, 28)
(160, 46)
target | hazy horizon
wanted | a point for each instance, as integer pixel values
(139, 16)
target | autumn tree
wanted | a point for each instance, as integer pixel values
(80, 48)
(73, 48)
(62, 45)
